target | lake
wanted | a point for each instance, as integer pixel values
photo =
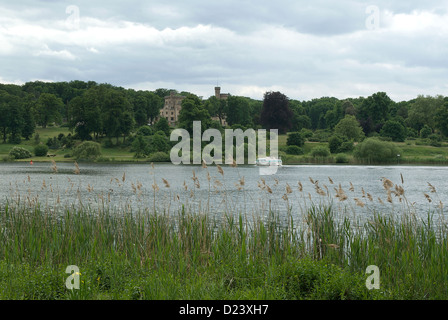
(237, 190)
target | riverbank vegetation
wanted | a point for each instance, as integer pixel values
(126, 125)
(318, 250)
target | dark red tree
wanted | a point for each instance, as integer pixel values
(276, 113)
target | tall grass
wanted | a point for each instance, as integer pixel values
(125, 253)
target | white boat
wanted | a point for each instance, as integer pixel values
(269, 161)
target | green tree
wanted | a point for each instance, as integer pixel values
(238, 111)
(218, 108)
(139, 146)
(162, 125)
(11, 116)
(425, 131)
(423, 111)
(350, 128)
(115, 106)
(193, 110)
(376, 108)
(441, 118)
(395, 130)
(127, 123)
(47, 109)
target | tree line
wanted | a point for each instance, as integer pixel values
(94, 111)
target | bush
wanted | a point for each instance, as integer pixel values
(294, 150)
(144, 131)
(40, 150)
(88, 150)
(19, 153)
(54, 143)
(306, 133)
(334, 143)
(341, 158)
(159, 157)
(347, 146)
(372, 149)
(295, 139)
(320, 152)
(425, 131)
(14, 139)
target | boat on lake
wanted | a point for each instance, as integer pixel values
(269, 161)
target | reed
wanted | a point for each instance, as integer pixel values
(320, 249)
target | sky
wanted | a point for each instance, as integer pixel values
(304, 49)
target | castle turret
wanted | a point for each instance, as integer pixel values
(218, 92)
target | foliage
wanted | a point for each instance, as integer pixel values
(159, 157)
(334, 143)
(54, 143)
(88, 150)
(295, 139)
(162, 125)
(40, 150)
(294, 150)
(395, 130)
(375, 150)
(48, 109)
(341, 158)
(145, 130)
(276, 113)
(320, 152)
(139, 146)
(349, 128)
(425, 132)
(193, 110)
(19, 153)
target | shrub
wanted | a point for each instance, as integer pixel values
(88, 150)
(320, 152)
(14, 139)
(425, 131)
(159, 157)
(144, 131)
(19, 153)
(372, 149)
(295, 139)
(341, 158)
(295, 150)
(334, 143)
(54, 143)
(40, 150)
(347, 146)
(306, 133)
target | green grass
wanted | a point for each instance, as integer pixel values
(411, 153)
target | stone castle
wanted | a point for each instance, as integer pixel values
(173, 104)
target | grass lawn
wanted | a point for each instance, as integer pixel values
(411, 153)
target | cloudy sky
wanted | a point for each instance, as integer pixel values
(305, 49)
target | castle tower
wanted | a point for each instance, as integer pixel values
(218, 92)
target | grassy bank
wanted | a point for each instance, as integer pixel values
(414, 151)
(322, 253)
